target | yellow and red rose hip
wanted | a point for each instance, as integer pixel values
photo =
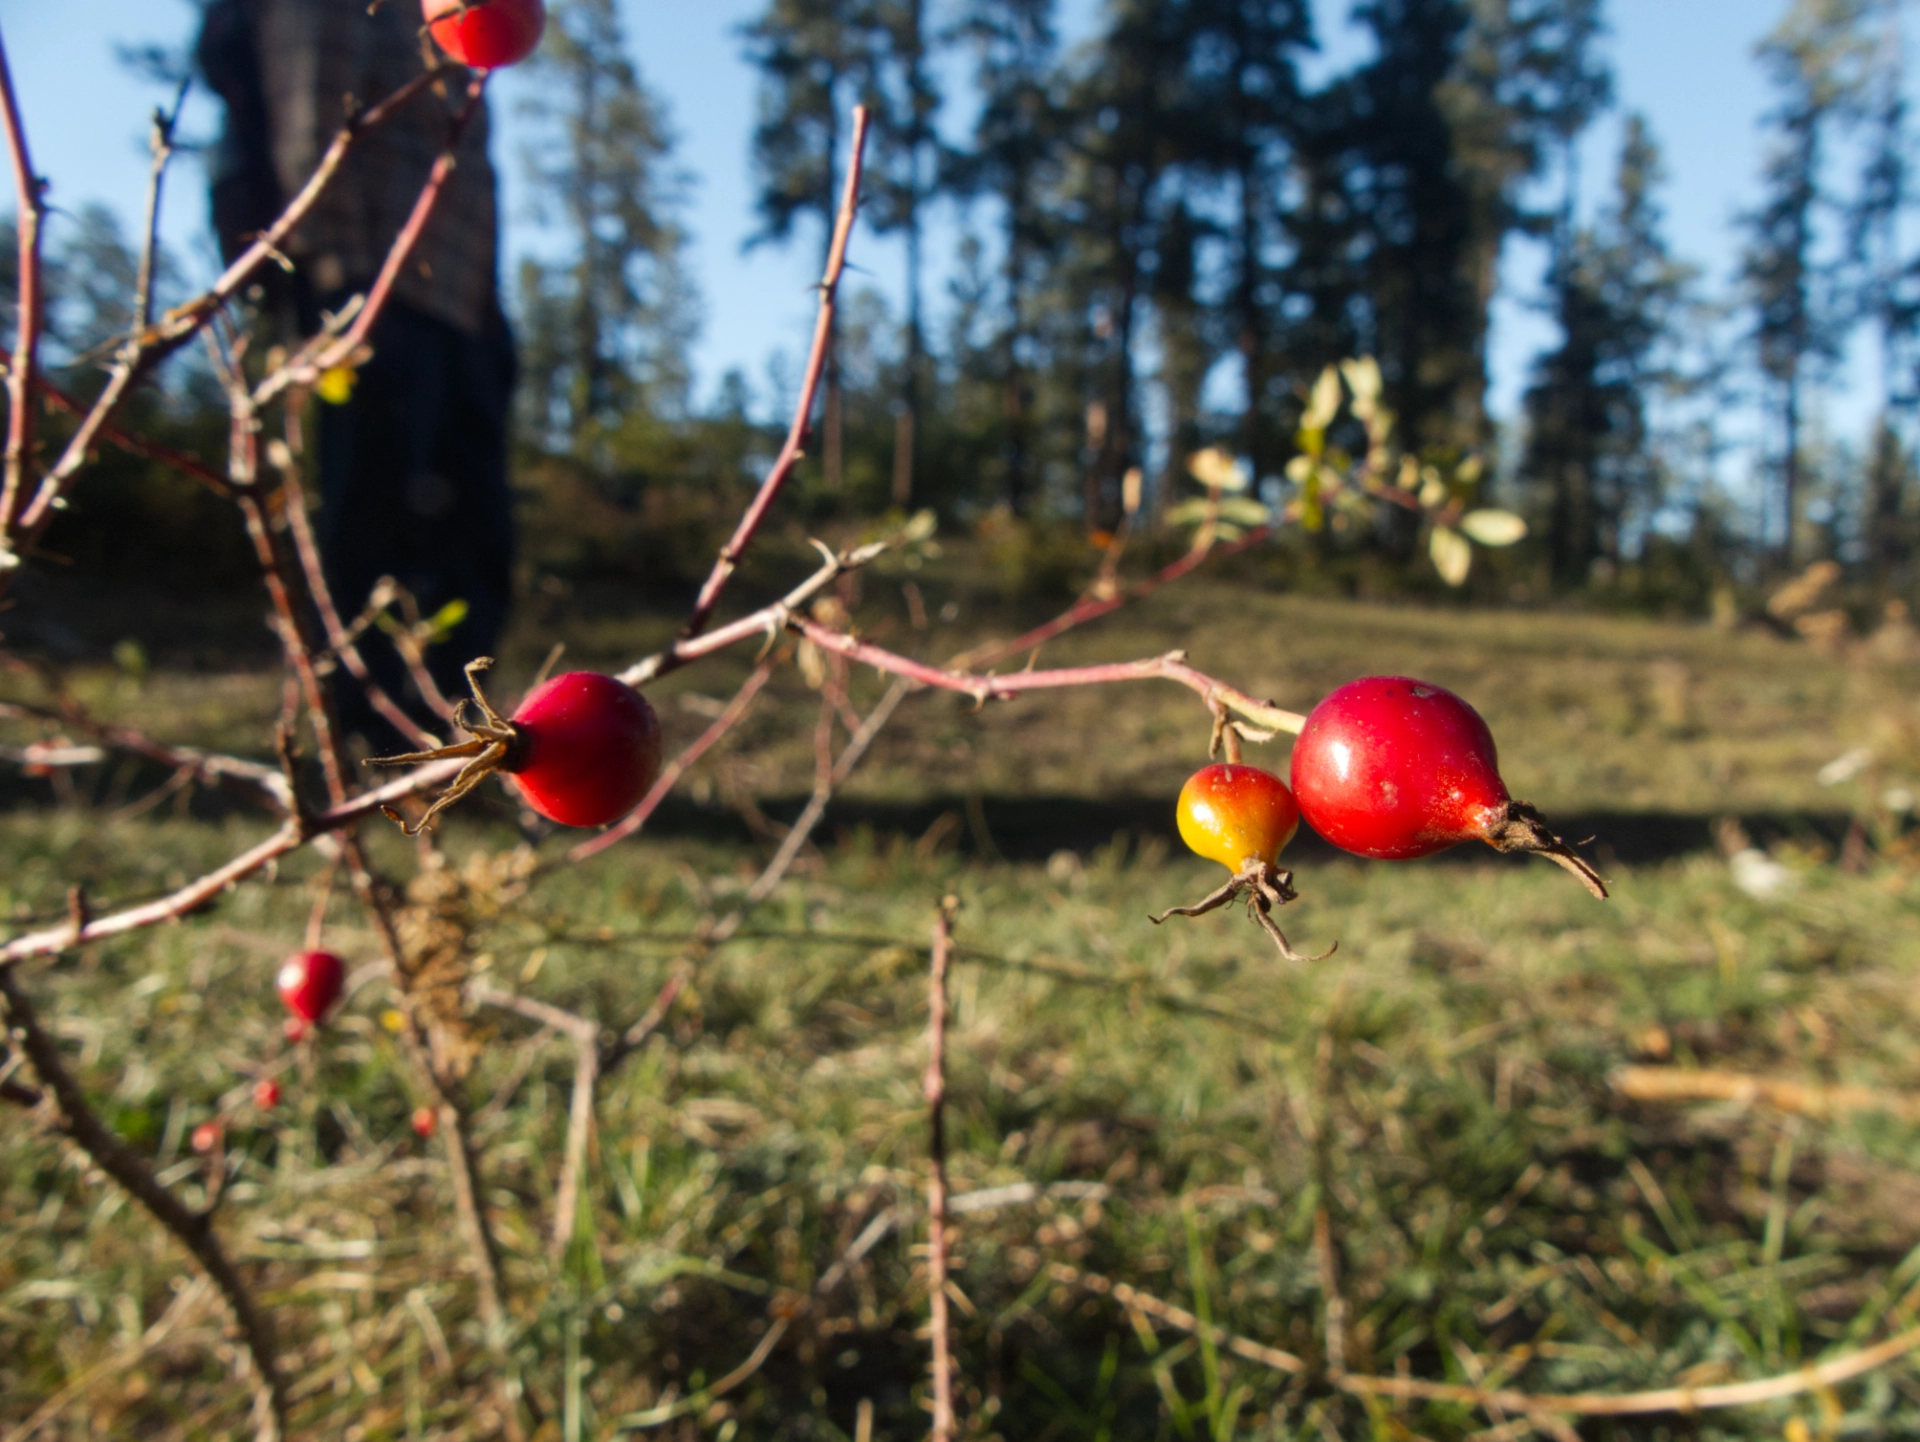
(1230, 813)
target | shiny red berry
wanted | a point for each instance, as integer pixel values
(1393, 768)
(1233, 813)
(266, 1094)
(206, 1137)
(310, 984)
(425, 1119)
(485, 34)
(586, 749)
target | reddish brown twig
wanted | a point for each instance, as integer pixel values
(342, 642)
(76, 1119)
(140, 446)
(21, 374)
(205, 766)
(935, 1088)
(731, 716)
(799, 430)
(324, 352)
(766, 621)
(816, 807)
(148, 347)
(1091, 607)
(1170, 667)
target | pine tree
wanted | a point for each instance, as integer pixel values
(908, 153)
(1616, 292)
(1243, 96)
(1814, 60)
(609, 323)
(1016, 143)
(817, 60)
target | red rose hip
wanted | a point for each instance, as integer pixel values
(588, 748)
(485, 34)
(309, 985)
(424, 1121)
(1393, 768)
(582, 749)
(266, 1094)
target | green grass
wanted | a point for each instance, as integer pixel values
(1440, 1087)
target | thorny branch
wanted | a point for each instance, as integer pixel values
(798, 432)
(30, 191)
(935, 1089)
(1170, 667)
(152, 344)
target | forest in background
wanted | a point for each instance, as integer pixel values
(1167, 234)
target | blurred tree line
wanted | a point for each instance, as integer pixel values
(1165, 232)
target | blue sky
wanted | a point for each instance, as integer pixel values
(1686, 64)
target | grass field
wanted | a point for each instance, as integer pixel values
(1418, 1158)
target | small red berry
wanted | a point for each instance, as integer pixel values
(309, 985)
(425, 1119)
(206, 1137)
(1233, 813)
(266, 1094)
(586, 749)
(1393, 768)
(485, 34)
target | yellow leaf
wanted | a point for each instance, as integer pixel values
(1217, 469)
(1492, 527)
(1299, 468)
(1324, 404)
(1363, 378)
(335, 386)
(1452, 556)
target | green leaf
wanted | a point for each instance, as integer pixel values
(1452, 556)
(1492, 527)
(1188, 513)
(446, 619)
(1244, 511)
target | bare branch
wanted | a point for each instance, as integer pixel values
(1170, 667)
(798, 431)
(1093, 606)
(77, 1120)
(30, 191)
(934, 1087)
(324, 352)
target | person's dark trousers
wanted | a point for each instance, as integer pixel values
(413, 485)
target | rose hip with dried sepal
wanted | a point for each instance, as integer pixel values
(1241, 817)
(1393, 768)
(1230, 812)
(581, 749)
